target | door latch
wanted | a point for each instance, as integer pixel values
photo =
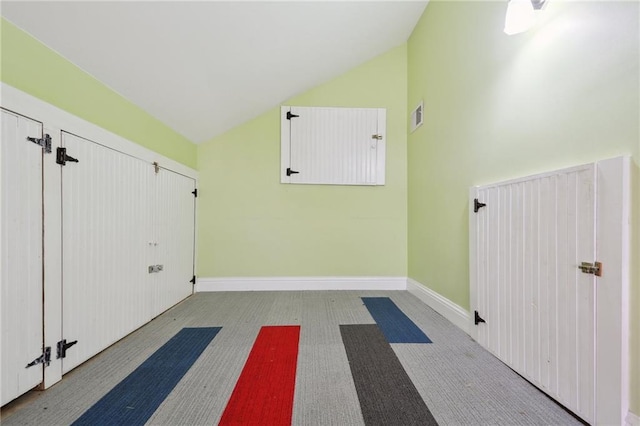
(155, 268)
(591, 268)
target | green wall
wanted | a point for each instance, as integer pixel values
(30, 66)
(498, 107)
(251, 225)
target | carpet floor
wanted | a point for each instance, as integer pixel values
(347, 370)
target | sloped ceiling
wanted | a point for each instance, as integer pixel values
(204, 67)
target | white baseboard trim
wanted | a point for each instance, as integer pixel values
(300, 283)
(445, 307)
(632, 419)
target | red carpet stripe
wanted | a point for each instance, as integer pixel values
(264, 392)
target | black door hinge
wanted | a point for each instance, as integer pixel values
(291, 172)
(478, 319)
(477, 205)
(290, 115)
(62, 157)
(45, 142)
(193, 280)
(195, 192)
(45, 358)
(63, 346)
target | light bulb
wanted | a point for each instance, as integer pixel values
(520, 16)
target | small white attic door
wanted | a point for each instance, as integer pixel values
(539, 308)
(560, 323)
(335, 146)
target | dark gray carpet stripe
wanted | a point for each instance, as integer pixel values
(386, 393)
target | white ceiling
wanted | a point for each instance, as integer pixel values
(204, 67)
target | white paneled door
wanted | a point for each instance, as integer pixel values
(539, 307)
(104, 247)
(121, 216)
(172, 216)
(21, 259)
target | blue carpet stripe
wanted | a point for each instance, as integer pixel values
(134, 400)
(395, 325)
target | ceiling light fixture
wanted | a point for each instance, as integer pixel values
(520, 15)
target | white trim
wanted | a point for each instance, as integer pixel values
(566, 170)
(54, 117)
(612, 290)
(299, 283)
(445, 307)
(632, 419)
(52, 192)
(381, 152)
(473, 262)
(285, 144)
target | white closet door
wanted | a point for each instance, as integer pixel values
(21, 259)
(172, 215)
(105, 245)
(538, 306)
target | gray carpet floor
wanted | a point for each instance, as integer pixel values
(460, 382)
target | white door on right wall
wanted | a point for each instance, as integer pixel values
(538, 305)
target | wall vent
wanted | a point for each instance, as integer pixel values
(417, 116)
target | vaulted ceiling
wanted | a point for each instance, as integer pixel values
(203, 67)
